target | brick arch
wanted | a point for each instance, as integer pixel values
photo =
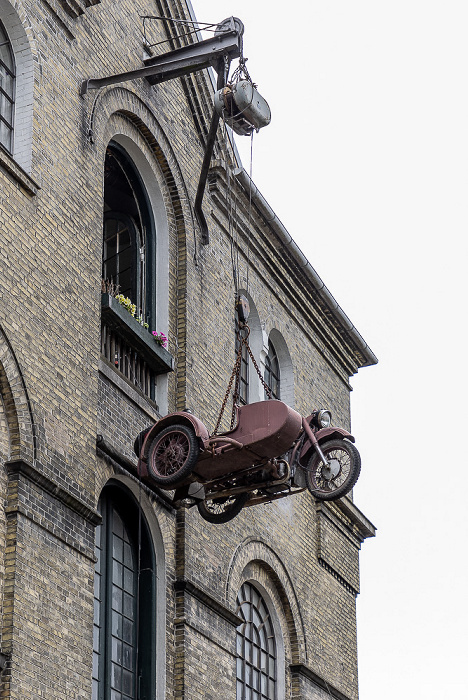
(16, 405)
(255, 561)
(119, 111)
(122, 102)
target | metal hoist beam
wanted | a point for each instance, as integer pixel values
(217, 53)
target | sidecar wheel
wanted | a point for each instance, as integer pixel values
(172, 455)
(338, 480)
(222, 510)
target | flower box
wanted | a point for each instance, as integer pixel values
(118, 319)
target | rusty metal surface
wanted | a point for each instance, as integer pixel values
(263, 456)
(265, 430)
(173, 419)
(324, 435)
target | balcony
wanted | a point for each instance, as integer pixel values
(130, 348)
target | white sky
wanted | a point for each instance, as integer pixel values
(366, 164)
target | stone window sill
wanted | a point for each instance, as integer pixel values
(11, 167)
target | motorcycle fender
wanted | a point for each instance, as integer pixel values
(173, 418)
(324, 435)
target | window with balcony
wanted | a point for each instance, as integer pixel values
(128, 269)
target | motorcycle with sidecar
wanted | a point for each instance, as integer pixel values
(272, 452)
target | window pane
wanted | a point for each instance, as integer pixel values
(128, 602)
(117, 552)
(5, 136)
(117, 599)
(256, 648)
(6, 109)
(117, 574)
(6, 54)
(115, 660)
(272, 372)
(7, 92)
(127, 633)
(127, 659)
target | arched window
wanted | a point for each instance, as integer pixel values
(124, 602)
(256, 648)
(272, 371)
(128, 232)
(7, 90)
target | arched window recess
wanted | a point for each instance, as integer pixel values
(124, 601)
(257, 673)
(128, 275)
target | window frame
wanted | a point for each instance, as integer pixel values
(245, 670)
(143, 232)
(244, 375)
(272, 374)
(3, 93)
(116, 499)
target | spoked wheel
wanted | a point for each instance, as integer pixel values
(328, 483)
(222, 510)
(172, 455)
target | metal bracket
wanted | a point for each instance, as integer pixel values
(218, 53)
(174, 64)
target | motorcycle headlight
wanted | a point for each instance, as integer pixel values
(324, 419)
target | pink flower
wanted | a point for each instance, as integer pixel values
(160, 338)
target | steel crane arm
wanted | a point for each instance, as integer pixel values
(174, 64)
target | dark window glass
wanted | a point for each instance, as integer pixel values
(272, 371)
(7, 90)
(256, 648)
(128, 232)
(123, 603)
(244, 372)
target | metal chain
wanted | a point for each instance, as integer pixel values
(243, 341)
(235, 373)
(265, 385)
(241, 72)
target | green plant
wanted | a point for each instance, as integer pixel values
(108, 287)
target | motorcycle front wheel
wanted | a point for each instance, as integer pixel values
(328, 483)
(222, 510)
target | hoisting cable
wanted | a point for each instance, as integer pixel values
(233, 242)
(240, 73)
(250, 211)
(198, 26)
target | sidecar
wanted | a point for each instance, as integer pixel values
(178, 449)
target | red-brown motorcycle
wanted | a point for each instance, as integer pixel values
(271, 453)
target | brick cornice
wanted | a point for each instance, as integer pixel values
(20, 467)
(184, 586)
(306, 672)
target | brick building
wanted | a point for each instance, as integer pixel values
(103, 184)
